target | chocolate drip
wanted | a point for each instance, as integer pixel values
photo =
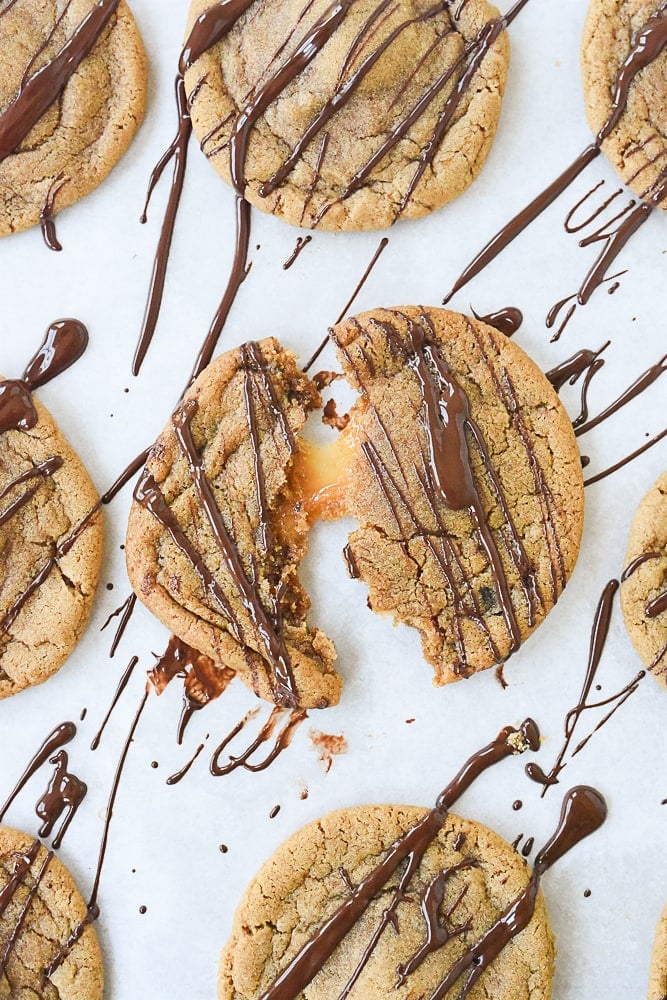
(204, 681)
(46, 216)
(645, 380)
(507, 320)
(275, 650)
(647, 46)
(64, 794)
(22, 915)
(571, 370)
(656, 606)
(210, 28)
(175, 778)
(126, 475)
(43, 88)
(93, 910)
(64, 343)
(411, 846)
(40, 472)
(599, 634)
(61, 735)
(125, 612)
(283, 740)
(628, 458)
(374, 259)
(17, 410)
(636, 563)
(22, 865)
(301, 244)
(122, 684)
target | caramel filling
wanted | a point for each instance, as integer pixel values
(321, 476)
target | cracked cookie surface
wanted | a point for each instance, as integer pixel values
(645, 581)
(657, 983)
(84, 133)
(387, 73)
(215, 534)
(467, 485)
(43, 909)
(45, 595)
(637, 147)
(310, 876)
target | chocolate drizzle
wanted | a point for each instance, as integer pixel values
(507, 320)
(64, 795)
(571, 370)
(628, 458)
(43, 88)
(599, 634)
(56, 739)
(583, 812)
(122, 684)
(301, 244)
(646, 47)
(284, 738)
(125, 611)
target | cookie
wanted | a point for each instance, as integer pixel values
(644, 582)
(51, 539)
(657, 983)
(41, 910)
(72, 95)
(467, 483)
(350, 117)
(215, 535)
(637, 146)
(466, 878)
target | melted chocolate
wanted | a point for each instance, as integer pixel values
(46, 216)
(64, 343)
(301, 244)
(644, 380)
(636, 563)
(64, 794)
(656, 606)
(23, 912)
(507, 320)
(59, 737)
(39, 472)
(175, 778)
(583, 812)
(17, 410)
(43, 88)
(628, 458)
(125, 612)
(571, 370)
(599, 634)
(282, 742)
(648, 44)
(114, 701)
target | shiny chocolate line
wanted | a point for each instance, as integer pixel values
(93, 909)
(45, 570)
(277, 655)
(644, 380)
(127, 673)
(656, 606)
(584, 362)
(64, 794)
(282, 742)
(346, 308)
(617, 699)
(312, 957)
(128, 473)
(301, 244)
(507, 321)
(45, 86)
(40, 472)
(64, 343)
(636, 563)
(179, 775)
(17, 410)
(573, 228)
(56, 739)
(628, 458)
(125, 612)
(646, 47)
(22, 866)
(46, 215)
(23, 913)
(210, 28)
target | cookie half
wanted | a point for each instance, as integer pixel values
(57, 143)
(644, 586)
(468, 877)
(216, 534)
(393, 117)
(51, 539)
(41, 911)
(467, 483)
(637, 146)
(657, 983)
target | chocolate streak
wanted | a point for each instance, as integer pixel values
(583, 812)
(56, 739)
(43, 88)
(282, 741)
(507, 320)
(648, 45)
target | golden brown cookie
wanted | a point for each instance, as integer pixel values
(637, 146)
(57, 143)
(467, 483)
(644, 587)
(394, 116)
(657, 983)
(51, 548)
(466, 878)
(215, 533)
(41, 910)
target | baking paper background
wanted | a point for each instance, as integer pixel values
(164, 841)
